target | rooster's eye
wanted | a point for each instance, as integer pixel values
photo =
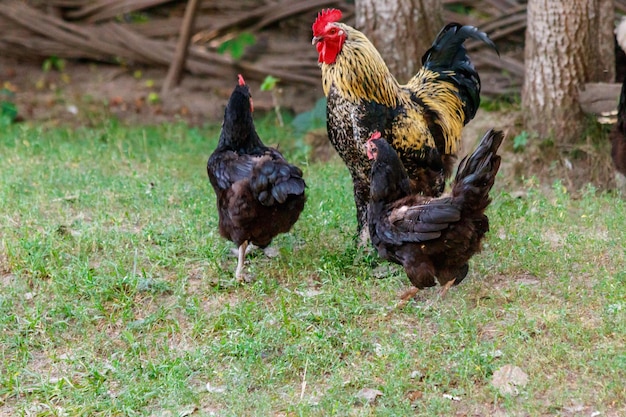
(333, 31)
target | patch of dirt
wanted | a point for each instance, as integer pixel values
(576, 166)
(86, 94)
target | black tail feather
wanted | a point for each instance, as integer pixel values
(448, 48)
(477, 172)
(448, 54)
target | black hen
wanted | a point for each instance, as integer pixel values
(430, 237)
(259, 194)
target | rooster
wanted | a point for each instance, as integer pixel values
(259, 194)
(431, 237)
(422, 119)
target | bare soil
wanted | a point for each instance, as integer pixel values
(84, 93)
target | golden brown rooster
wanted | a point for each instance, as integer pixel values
(422, 119)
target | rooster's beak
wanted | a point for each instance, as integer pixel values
(316, 39)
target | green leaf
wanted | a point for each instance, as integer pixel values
(520, 141)
(53, 63)
(8, 110)
(153, 98)
(237, 45)
(312, 119)
(5, 92)
(269, 83)
(47, 65)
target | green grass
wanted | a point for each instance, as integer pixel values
(117, 295)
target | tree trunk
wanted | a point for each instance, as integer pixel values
(605, 41)
(401, 30)
(566, 46)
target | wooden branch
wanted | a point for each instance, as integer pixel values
(30, 32)
(97, 11)
(174, 73)
(262, 16)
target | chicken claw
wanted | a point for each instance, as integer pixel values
(242, 257)
(406, 297)
(444, 290)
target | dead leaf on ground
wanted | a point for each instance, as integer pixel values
(508, 378)
(271, 252)
(187, 411)
(368, 395)
(384, 271)
(414, 395)
(416, 375)
(215, 389)
(309, 292)
(527, 279)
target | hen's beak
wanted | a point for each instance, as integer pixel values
(316, 39)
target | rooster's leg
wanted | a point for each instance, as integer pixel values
(242, 258)
(406, 297)
(445, 288)
(361, 200)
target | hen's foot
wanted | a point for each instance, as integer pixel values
(444, 290)
(239, 274)
(406, 297)
(270, 251)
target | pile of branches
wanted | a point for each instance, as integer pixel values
(145, 31)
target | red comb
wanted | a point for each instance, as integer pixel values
(323, 18)
(375, 135)
(241, 80)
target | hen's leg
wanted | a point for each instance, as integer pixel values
(445, 288)
(242, 258)
(251, 246)
(406, 297)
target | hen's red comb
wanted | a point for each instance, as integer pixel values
(323, 18)
(375, 135)
(241, 80)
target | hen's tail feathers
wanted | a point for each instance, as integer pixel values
(448, 53)
(274, 181)
(477, 173)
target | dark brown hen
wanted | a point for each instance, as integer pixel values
(259, 194)
(432, 238)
